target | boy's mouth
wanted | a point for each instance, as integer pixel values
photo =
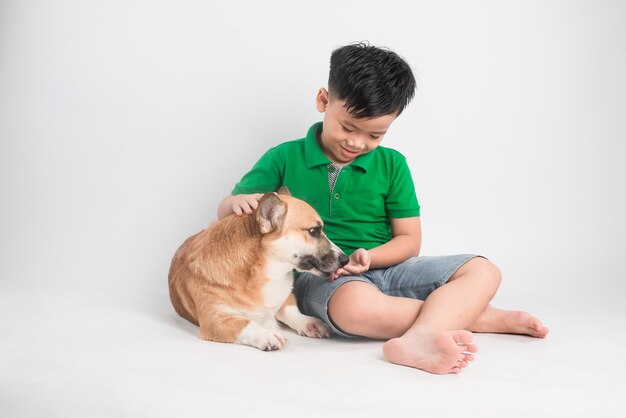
(348, 153)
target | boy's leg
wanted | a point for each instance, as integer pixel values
(359, 308)
(509, 322)
(437, 340)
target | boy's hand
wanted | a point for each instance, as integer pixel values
(359, 262)
(245, 203)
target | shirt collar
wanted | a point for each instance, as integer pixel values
(314, 155)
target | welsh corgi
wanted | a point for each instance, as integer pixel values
(234, 279)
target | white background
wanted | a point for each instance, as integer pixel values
(122, 125)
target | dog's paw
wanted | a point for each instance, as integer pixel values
(312, 327)
(257, 336)
(304, 325)
(269, 341)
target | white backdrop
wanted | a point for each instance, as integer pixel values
(122, 125)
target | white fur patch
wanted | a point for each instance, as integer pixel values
(255, 335)
(279, 285)
(303, 324)
(288, 246)
(275, 292)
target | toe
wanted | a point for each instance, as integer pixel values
(472, 348)
(462, 337)
(468, 348)
(468, 356)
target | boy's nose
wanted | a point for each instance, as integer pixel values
(354, 143)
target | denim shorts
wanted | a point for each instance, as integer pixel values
(415, 278)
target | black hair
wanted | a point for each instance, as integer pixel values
(373, 81)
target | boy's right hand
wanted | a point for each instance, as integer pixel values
(359, 262)
(245, 203)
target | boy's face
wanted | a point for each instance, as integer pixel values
(345, 137)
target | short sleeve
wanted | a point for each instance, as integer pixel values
(401, 201)
(265, 176)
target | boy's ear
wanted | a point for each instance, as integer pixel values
(284, 190)
(270, 214)
(322, 99)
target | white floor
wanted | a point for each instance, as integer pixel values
(87, 354)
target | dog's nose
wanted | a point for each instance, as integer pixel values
(343, 259)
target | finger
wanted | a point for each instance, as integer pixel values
(253, 204)
(237, 210)
(353, 268)
(340, 271)
(246, 207)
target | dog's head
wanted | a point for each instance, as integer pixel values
(295, 234)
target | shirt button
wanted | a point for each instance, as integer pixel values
(337, 195)
(331, 169)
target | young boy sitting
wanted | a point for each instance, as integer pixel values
(426, 307)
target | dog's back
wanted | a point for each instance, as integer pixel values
(217, 262)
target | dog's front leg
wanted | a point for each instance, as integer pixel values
(223, 326)
(305, 325)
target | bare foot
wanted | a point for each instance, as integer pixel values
(510, 322)
(439, 352)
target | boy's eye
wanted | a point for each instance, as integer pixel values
(375, 136)
(346, 129)
(315, 232)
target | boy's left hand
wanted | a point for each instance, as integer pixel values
(359, 262)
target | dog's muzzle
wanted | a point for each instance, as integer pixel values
(324, 265)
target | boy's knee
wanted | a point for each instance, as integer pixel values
(482, 268)
(489, 271)
(355, 307)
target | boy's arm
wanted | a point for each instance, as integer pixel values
(405, 243)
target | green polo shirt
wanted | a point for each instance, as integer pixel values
(374, 188)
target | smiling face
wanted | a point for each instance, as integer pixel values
(345, 137)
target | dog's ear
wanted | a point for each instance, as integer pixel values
(271, 212)
(284, 190)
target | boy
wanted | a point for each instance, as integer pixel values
(425, 307)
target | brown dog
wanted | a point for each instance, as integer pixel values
(234, 279)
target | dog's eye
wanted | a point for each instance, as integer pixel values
(315, 232)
